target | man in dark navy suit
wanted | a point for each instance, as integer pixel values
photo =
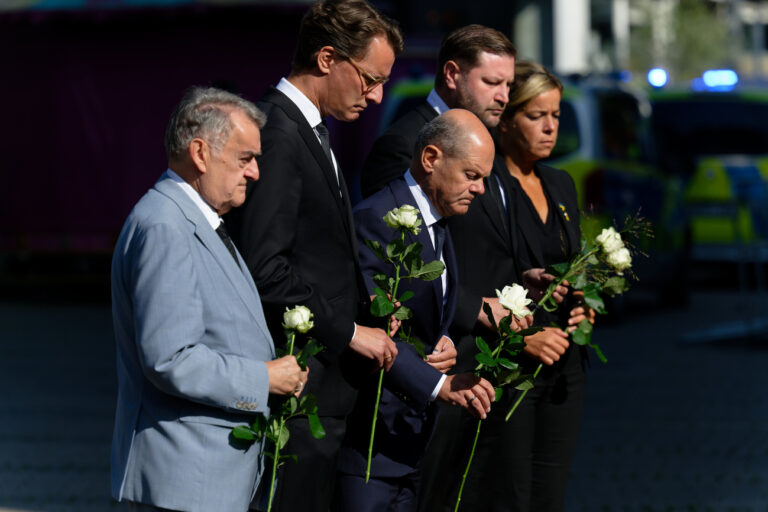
(453, 154)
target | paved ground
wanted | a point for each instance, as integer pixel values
(668, 427)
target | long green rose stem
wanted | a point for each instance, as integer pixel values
(469, 463)
(381, 373)
(522, 395)
(275, 463)
(291, 340)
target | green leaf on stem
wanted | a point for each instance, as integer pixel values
(293, 458)
(499, 392)
(377, 249)
(293, 404)
(405, 296)
(315, 427)
(429, 271)
(483, 346)
(580, 281)
(586, 326)
(579, 337)
(524, 383)
(485, 360)
(395, 248)
(403, 313)
(592, 297)
(310, 349)
(489, 313)
(615, 285)
(592, 259)
(284, 435)
(506, 363)
(505, 376)
(381, 306)
(412, 257)
(259, 423)
(559, 269)
(381, 280)
(243, 433)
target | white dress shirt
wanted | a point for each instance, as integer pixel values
(209, 213)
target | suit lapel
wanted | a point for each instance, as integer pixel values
(307, 133)
(241, 281)
(491, 202)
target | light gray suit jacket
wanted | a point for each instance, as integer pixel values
(191, 345)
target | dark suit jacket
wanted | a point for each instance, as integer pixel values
(406, 417)
(391, 154)
(296, 235)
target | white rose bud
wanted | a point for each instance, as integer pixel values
(609, 240)
(619, 259)
(405, 217)
(514, 298)
(298, 319)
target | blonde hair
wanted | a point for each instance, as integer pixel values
(531, 79)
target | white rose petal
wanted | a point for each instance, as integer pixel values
(298, 319)
(406, 217)
(619, 259)
(514, 298)
(609, 240)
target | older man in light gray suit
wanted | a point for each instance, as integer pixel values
(194, 356)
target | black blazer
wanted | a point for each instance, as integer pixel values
(486, 243)
(406, 417)
(391, 154)
(296, 234)
(560, 188)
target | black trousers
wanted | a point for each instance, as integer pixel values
(307, 485)
(519, 466)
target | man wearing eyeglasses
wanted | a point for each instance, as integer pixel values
(296, 232)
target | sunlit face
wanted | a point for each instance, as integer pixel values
(229, 169)
(456, 181)
(349, 92)
(484, 89)
(532, 131)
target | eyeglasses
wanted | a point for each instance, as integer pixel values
(369, 81)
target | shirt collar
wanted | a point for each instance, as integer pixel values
(209, 213)
(437, 102)
(428, 212)
(307, 108)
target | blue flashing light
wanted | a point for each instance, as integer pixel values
(658, 77)
(625, 76)
(720, 79)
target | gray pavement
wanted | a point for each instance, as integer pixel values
(668, 427)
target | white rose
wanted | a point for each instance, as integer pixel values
(298, 319)
(514, 298)
(405, 217)
(619, 259)
(609, 240)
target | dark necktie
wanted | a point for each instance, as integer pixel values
(439, 231)
(325, 141)
(222, 232)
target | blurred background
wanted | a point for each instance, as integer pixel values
(665, 112)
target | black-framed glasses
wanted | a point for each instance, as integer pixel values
(369, 81)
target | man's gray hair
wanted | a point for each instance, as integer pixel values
(204, 113)
(440, 132)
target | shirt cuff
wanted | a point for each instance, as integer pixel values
(437, 388)
(354, 332)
